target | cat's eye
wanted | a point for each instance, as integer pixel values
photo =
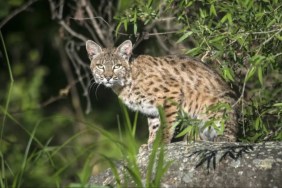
(117, 66)
(100, 66)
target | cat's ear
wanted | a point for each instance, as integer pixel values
(125, 49)
(92, 49)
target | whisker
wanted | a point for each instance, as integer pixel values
(96, 91)
(91, 85)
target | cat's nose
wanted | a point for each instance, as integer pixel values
(108, 78)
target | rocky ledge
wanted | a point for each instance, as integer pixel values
(209, 164)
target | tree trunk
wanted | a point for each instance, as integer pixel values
(208, 164)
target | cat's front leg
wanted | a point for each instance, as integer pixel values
(154, 124)
(170, 113)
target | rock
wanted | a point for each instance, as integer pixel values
(209, 164)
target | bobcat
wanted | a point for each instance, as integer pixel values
(144, 82)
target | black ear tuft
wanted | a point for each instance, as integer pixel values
(92, 49)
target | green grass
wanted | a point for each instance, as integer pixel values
(5, 110)
(128, 146)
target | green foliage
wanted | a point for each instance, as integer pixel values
(240, 38)
(140, 10)
(127, 145)
(191, 127)
(5, 6)
(157, 166)
(29, 150)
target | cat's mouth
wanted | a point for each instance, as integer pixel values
(108, 84)
(112, 83)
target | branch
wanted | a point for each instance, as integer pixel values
(71, 31)
(94, 23)
(16, 12)
(74, 59)
(161, 41)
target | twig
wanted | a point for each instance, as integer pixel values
(70, 78)
(161, 41)
(267, 40)
(205, 55)
(62, 93)
(240, 98)
(90, 30)
(71, 31)
(268, 136)
(51, 100)
(53, 9)
(140, 38)
(276, 55)
(126, 34)
(17, 11)
(70, 51)
(60, 15)
(163, 33)
(94, 23)
(91, 18)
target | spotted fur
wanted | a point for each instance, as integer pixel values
(145, 82)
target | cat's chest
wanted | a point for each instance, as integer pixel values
(140, 103)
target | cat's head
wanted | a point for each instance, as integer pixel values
(109, 67)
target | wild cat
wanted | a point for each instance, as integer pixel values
(144, 82)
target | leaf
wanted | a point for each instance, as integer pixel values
(259, 15)
(260, 75)
(212, 10)
(227, 17)
(162, 171)
(157, 143)
(257, 123)
(135, 29)
(257, 59)
(185, 131)
(239, 38)
(134, 176)
(227, 74)
(194, 51)
(271, 23)
(149, 3)
(122, 5)
(278, 105)
(113, 168)
(203, 13)
(135, 16)
(279, 37)
(187, 34)
(125, 23)
(250, 73)
(160, 163)
(117, 28)
(126, 117)
(216, 39)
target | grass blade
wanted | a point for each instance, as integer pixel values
(136, 177)
(114, 169)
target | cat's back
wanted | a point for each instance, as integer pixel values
(185, 70)
(178, 63)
